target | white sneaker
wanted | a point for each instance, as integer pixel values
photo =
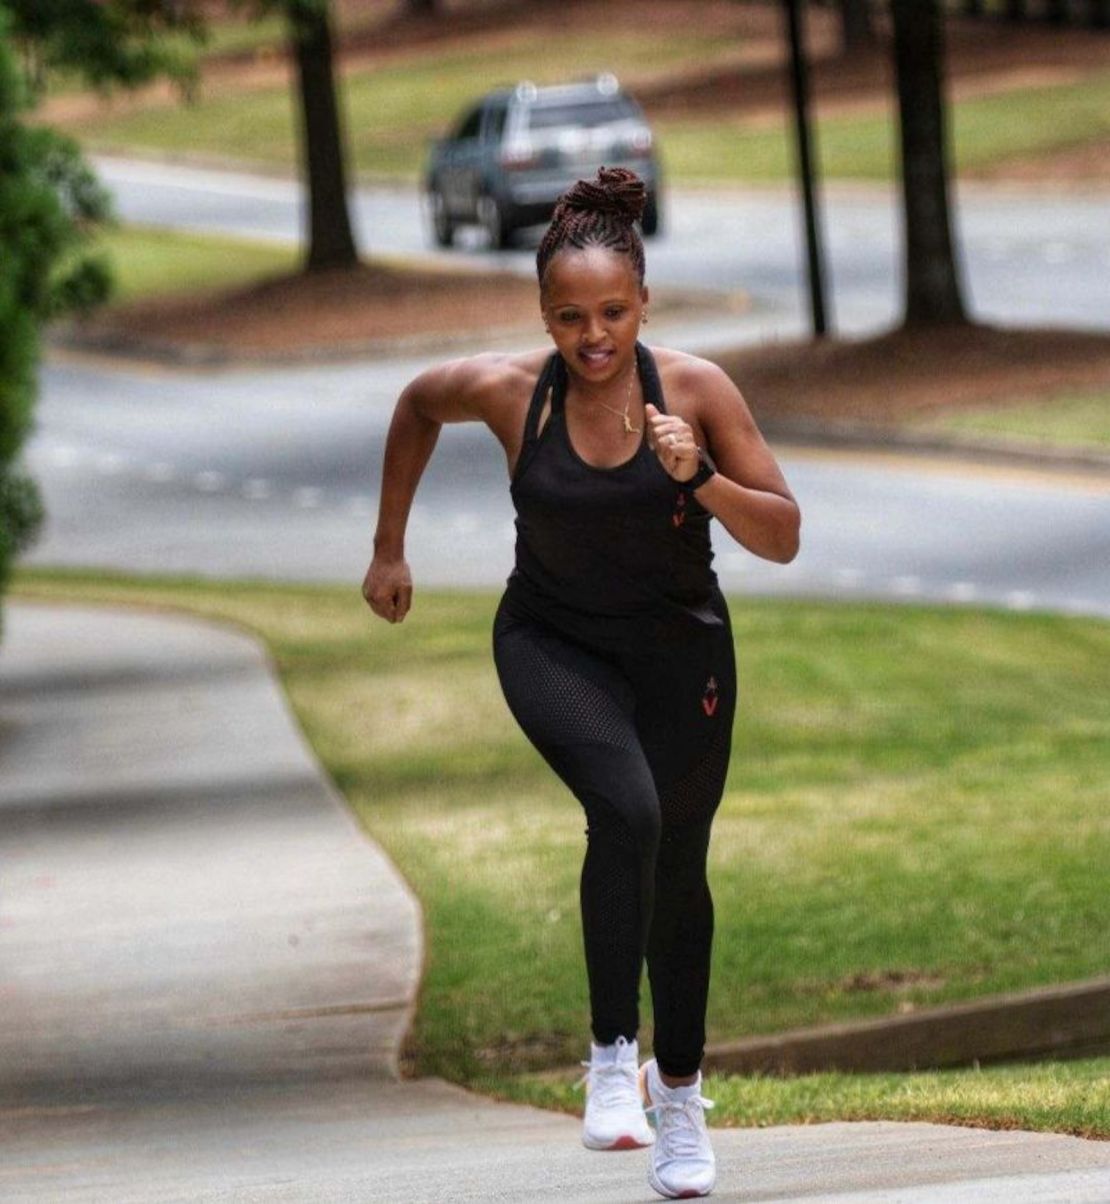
(682, 1163)
(614, 1117)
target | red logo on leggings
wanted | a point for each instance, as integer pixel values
(711, 697)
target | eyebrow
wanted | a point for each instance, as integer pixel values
(578, 304)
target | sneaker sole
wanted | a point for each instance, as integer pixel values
(626, 1142)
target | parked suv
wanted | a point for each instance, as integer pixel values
(514, 151)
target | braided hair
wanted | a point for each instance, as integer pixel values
(598, 213)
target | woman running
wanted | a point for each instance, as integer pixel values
(612, 641)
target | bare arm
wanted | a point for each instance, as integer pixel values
(748, 493)
(459, 391)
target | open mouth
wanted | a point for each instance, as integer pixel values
(595, 357)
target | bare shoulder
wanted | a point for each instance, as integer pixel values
(482, 386)
(696, 386)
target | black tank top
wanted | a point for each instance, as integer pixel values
(609, 542)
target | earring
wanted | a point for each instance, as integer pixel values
(644, 318)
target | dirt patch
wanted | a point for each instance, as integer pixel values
(327, 310)
(905, 375)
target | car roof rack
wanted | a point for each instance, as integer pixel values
(604, 82)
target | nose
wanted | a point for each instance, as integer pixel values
(594, 329)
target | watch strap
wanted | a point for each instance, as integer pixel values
(706, 469)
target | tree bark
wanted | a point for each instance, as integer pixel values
(933, 295)
(857, 26)
(331, 241)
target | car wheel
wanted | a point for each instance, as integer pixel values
(442, 227)
(649, 223)
(491, 217)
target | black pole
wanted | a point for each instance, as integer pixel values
(800, 87)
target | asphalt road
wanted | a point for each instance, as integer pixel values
(274, 473)
(1032, 258)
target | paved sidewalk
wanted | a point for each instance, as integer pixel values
(206, 967)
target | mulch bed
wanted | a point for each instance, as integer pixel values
(905, 374)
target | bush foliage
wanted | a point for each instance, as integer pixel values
(49, 201)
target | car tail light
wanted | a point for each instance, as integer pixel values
(518, 158)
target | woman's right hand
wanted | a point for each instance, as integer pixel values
(387, 588)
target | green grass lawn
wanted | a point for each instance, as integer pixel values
(394, 109)
(1072, 419)
(914, 792)
(1072, 1097)
(147, 261)
(986, 132)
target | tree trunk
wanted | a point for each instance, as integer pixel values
(1015, 10)
(932, 281)
(331, 241)
(419, 8)
(857, 26)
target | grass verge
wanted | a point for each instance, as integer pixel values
(394, 109)
(1059, 1097)
(917, 813)
(148, 261)
(1074, 419)
(986, 133)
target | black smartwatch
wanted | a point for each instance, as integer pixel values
(706, 469)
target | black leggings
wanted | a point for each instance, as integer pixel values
(642, 739)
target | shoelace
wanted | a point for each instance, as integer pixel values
(612, 1083)
(677, 1125)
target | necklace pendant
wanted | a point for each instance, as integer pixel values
(629, 429)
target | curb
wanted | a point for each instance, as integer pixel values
(1047, 1022)
(861, 436)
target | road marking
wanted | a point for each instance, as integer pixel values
(209, 481)
(1020, 599)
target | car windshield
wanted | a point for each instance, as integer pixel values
(582, 113)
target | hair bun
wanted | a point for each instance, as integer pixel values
(616, 190)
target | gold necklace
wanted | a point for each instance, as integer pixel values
(629, 429)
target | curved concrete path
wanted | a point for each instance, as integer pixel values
(206, 968)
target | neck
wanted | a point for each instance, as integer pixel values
(614, 393)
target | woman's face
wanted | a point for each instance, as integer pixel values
(593, 303)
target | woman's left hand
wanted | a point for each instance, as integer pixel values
(673, 442)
